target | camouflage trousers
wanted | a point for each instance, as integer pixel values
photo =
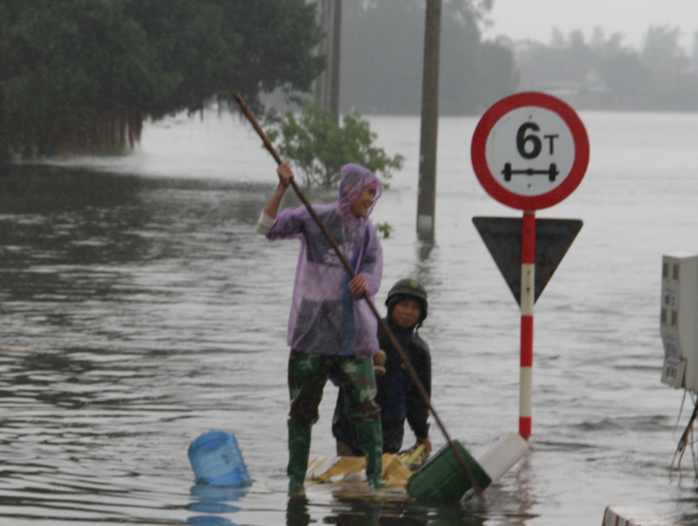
(308, 374)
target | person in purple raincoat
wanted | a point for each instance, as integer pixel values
(331, 329)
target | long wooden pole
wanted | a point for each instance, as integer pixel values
(391, 337)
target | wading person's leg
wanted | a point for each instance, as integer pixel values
(307, 375)
(359, 384)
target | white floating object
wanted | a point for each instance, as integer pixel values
(633, 516)
(501, 457)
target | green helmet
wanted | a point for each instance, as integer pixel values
(408, 289)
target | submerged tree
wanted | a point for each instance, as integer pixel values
(383, 46)
(83, 75)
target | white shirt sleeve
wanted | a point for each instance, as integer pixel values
(265, 223)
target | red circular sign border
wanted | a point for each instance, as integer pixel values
(488, 121)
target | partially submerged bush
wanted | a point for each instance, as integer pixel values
(319, 147)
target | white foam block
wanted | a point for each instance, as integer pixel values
(501, 457)
(633, 516)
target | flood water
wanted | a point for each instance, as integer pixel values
(139, 309)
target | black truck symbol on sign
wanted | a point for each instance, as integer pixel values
(551, 172)
(530, 147)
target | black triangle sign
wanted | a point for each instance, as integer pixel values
(502, 235)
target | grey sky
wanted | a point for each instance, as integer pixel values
(536, 19)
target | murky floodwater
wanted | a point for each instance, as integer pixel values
(139, 309)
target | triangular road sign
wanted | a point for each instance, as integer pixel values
(502, 235)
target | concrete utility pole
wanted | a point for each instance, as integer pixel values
(426, 201)
(327, 84)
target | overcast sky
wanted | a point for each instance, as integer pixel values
(535, 19)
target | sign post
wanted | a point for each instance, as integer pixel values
(529, 151)
(528, 279)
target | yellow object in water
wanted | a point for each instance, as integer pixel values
(414, 455)
(327, 470)
(395, 472)
(337, 469)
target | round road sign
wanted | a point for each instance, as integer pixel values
(530, 151)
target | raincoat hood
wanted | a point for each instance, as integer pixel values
(354, 180)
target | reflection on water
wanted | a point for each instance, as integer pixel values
(376, 511)
(115, 295)
(138, 312)
(213, 500)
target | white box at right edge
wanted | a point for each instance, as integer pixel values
(679, 321)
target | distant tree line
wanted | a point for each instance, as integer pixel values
(83, 75)
(382, 50)
(603, 73)
(382, 53)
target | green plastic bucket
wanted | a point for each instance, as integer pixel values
(443, 479)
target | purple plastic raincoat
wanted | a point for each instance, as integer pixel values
(325, 317)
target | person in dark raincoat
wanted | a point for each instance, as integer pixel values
(398, 396)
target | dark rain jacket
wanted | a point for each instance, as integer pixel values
(398, 396)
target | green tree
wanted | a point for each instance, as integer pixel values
(694, 53)
(565, 59)
(662, 55)
(661, 50)
(474, 74)
(70, 72)
(382, 56)
(320, 147)
(626, 78)
(604, 73)
(79, 75)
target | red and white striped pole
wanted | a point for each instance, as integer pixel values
(528, 298)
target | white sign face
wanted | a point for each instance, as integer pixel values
(530, 151)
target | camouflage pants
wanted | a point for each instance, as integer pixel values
(308, 374)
